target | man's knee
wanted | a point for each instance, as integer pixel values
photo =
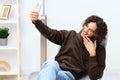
(64, 75)
(51, 64)
(60, 75)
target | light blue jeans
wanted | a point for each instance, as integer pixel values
(51, 71)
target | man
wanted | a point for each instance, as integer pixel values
(80, 54)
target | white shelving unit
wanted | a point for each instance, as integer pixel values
(11, 52)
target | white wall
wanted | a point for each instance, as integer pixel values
(68, 14)
(30, 39)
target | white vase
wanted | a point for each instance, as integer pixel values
(3, 41)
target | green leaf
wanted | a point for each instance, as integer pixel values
(4, 32)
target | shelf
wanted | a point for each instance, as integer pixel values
(11, 60)
(7, 48)
(8, 73)
(10, 53)
(8, 1)
(13, 71)
(7, 23)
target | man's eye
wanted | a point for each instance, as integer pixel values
(91, 30)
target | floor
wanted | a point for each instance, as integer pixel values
(25, 77)
(107, 76)
(111, 75)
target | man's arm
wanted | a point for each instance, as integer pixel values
(97, 64)
(53, 35)
(96, 59)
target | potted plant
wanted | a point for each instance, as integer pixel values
(4, 33)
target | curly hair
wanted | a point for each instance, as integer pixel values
(101, 30)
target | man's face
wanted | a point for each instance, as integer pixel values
(89, 30)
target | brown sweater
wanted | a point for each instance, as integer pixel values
(73, 56)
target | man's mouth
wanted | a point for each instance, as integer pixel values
(84, 33)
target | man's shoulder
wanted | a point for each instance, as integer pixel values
(68, 33)
(73, 32)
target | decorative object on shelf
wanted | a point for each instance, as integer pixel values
(4, 33)
(4, 66)
(4, 15)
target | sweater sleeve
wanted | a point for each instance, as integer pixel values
(53, 35)
(97, 64)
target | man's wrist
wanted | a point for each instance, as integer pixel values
(93, 53)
